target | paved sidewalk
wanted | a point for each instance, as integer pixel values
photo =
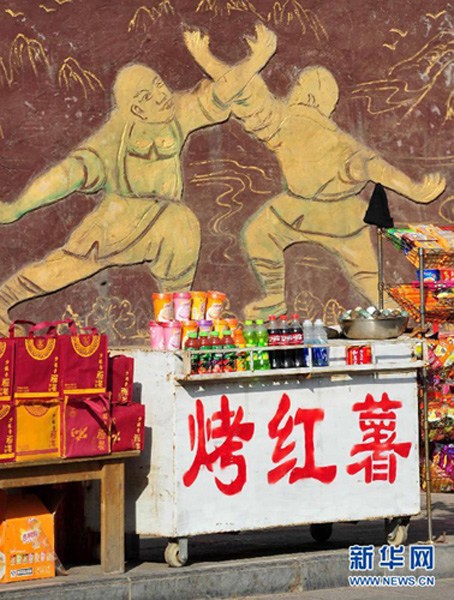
(277, 561)
(443, 589)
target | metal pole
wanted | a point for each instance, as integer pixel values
(380, 266)
(422, 312)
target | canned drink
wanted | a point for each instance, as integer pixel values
(365, 355)
(353, 355)
(359, 355)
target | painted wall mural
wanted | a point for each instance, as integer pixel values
(214, 144)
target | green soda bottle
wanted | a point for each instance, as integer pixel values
(250, 337)
(262, 363)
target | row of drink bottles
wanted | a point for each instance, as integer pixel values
(216, 355)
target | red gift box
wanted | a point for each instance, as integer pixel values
(6, 369)
(7, 432)
(128, 422)
(84, 363)
(86, 424)
(36, 364)
(120, 378)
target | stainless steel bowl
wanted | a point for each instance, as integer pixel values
(373, 329)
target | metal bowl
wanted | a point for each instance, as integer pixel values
(374, 329)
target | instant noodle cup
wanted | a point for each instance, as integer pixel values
(215, 304)
(205, 325)
(220, 325)
(163, 307)
(199, 302)
(172, 335)
(156, 335)
(182, 305)
(186, 328)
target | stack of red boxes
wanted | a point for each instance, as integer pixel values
(55, 401)
(128, 417)
(86, 418)
(36, 394)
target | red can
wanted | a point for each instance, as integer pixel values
(365, 355)
(353, 355)
(359, 355)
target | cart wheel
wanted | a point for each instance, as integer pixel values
(397, 530)
(321, 532)
(173, 556)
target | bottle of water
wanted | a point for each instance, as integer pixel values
(320, 353)
(308, 338)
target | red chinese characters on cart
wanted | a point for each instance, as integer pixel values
(230, 434)
(377, 421)
(218, 439)
(282, 428)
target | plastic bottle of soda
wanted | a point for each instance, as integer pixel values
(204, 358)
(192, 343)
(296, 339)
(250, 337)
(263, 357)
(274, 339)
(216, 357)
(228, 361)
(308, 338)
(241, 362)
(286, 355)
(320, 353)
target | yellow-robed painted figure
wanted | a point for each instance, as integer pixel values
(134, 159)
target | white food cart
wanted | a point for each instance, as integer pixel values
(248, 451)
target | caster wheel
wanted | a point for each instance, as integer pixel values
(396, 531)
(172, 555)
(321, 532)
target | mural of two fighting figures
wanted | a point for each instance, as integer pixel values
(133, 165)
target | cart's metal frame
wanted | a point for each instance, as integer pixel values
(381, 286)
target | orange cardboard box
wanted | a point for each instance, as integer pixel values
(26, 539)
(38, 429)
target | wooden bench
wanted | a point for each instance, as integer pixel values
(109, 470)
